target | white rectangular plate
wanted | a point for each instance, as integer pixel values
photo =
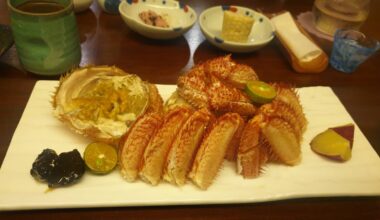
(313, 177)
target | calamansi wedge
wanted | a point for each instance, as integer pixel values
(260, 92)
(100, 158)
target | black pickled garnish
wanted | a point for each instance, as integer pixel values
(44, 165)
(58, 170)
(69, 167)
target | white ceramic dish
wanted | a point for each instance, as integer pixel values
(81, 5)
(313, 177)
(180, 17)
(211, 21)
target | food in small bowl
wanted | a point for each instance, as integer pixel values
(236, 27)
(158, 19)
(102, 102)
(152, 18)
(217, 23)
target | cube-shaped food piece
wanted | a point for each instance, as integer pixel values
(236, 27)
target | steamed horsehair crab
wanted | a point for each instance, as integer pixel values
(207, 119)
(273, 131)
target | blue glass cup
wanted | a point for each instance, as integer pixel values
(351, 48)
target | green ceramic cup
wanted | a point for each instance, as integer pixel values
(47, 42)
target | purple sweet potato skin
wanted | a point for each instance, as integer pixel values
(346, 131)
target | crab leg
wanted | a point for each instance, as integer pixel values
(211, 153)
(185, 146)
(133, 144)
(288, 95)
(157, 150)
(283, 141)
(231, 153)
(284, 111)
(251, 153)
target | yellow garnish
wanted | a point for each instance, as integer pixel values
(111, 98)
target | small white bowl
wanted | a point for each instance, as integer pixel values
(180, 17)
(211, 21)
(81, 5)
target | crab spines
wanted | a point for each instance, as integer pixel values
(157, 150)
(284, 111)
(289, 95)
(185, 146)
(217, 85)
(251, 154)
(283, 141)
(212, 151)
(273, 134)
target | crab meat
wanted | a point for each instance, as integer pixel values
(102, 102)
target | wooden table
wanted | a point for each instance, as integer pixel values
(106, 40)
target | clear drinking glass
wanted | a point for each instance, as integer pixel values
(330, 15)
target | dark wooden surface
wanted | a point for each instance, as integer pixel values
(106, 40)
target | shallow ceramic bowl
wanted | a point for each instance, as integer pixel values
(211, 21)
(81, 5)
(179, 16)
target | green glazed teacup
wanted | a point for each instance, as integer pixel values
(46, 37)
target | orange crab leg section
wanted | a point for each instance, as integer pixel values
(133, 144)
(211, 153)
(157, 150)
(251, 152)
(185, 146)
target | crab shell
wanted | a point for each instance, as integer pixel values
(74, 83)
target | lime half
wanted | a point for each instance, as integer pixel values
(100, 158)
(260, 92)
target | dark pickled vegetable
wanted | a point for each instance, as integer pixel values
(58, 170)
(44, 165)
(68, 168)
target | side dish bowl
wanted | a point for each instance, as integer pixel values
(211, 21)
(180, 17)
